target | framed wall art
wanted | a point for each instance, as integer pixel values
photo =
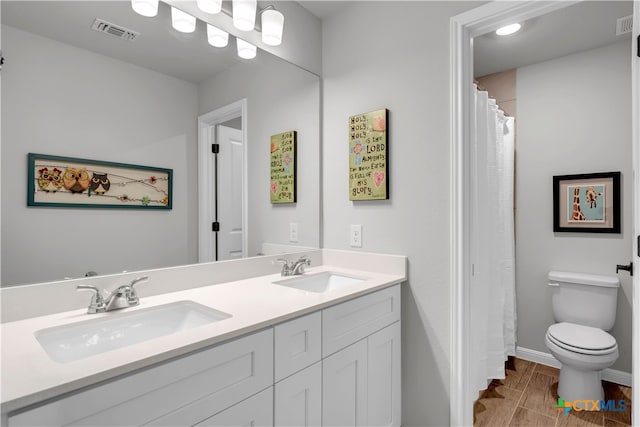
(369, 156)
(587, 203)
(56, 181)
(284, 167)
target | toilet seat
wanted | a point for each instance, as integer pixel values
(581, 339)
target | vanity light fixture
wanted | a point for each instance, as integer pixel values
(508, 29)
(147, 8)
(246, 50)
(216, 36)
(244, 14)
(210, 6)
(182, 21)
(272, 26)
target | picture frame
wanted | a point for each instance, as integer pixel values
(369, 156)
(68, 182)
(587, 203)
(284, 167)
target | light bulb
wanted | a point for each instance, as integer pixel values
(210, 6)
(272, 26)
(244, 14)
(147, 8)
(246, 50)
(508, 29)
(182, 21)
(216, 36)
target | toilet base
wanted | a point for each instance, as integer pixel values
(575, 384)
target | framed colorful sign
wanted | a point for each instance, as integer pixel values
(587, 203)
(56, 181)
(283, 167)
(369, 156)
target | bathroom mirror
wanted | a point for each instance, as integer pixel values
(132, 93)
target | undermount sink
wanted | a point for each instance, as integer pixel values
(320, 282)
(115, 330)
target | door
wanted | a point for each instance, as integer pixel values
(229, 192)
(298, 398)
(635, 135)
(384, 387)
(344, 387)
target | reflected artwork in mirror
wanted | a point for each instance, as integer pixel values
(76, 92)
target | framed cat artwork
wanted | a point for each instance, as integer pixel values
(587, 203)
(55, 181)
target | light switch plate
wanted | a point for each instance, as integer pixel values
(293, 232)
(356, 236)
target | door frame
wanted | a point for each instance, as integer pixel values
(463, 28)
(207, 176)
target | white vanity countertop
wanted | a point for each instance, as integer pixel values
(29, 375)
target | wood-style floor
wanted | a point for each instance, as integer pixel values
(528, 396)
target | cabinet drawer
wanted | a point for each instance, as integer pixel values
(351, 321)
(255, 411)
(194, 387)
(297, 344)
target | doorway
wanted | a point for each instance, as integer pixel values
(464, 28)
(222, 183)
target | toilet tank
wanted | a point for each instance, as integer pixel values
(585, 299)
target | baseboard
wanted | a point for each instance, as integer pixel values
(612, 375)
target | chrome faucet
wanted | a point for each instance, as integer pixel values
(122, 297)
(294, 268)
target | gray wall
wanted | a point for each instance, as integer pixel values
(395, 55)
(65, 101)
(282, 98)
(574, 116)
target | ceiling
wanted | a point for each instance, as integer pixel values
(586, 25)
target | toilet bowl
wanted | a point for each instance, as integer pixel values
(584, 352)
(584, 306)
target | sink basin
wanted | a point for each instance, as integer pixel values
(116, 329)
(320, 282)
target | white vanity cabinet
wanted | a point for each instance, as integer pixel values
(361, 378)
(181, 392)
(338, 366)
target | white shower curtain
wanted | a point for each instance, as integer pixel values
(493, 313)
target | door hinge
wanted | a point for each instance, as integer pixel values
(215, 148)
(215, 226)
(638, 45)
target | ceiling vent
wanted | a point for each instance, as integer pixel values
(624, 25)
(114, 30)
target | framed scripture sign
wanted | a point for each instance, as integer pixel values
(56, 181)
(369, 156)
(587, 203)
(283, 167)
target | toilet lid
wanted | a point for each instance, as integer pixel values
(581, 337)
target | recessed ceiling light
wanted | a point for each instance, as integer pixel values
(508, 29)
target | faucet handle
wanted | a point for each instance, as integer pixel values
(97, 304)
(132, 295)
(286, 267)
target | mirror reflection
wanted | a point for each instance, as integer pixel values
(68, 90)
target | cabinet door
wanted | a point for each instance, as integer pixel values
(384, 403)
(254, 411)
(298, 398)
(344, 387)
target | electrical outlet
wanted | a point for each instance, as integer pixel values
(356, 236)
(293, 232)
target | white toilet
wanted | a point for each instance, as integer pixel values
(584, 305)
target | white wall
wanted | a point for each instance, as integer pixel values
(395, 55)
(574, 116)
(283, 98)
(66, 101)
